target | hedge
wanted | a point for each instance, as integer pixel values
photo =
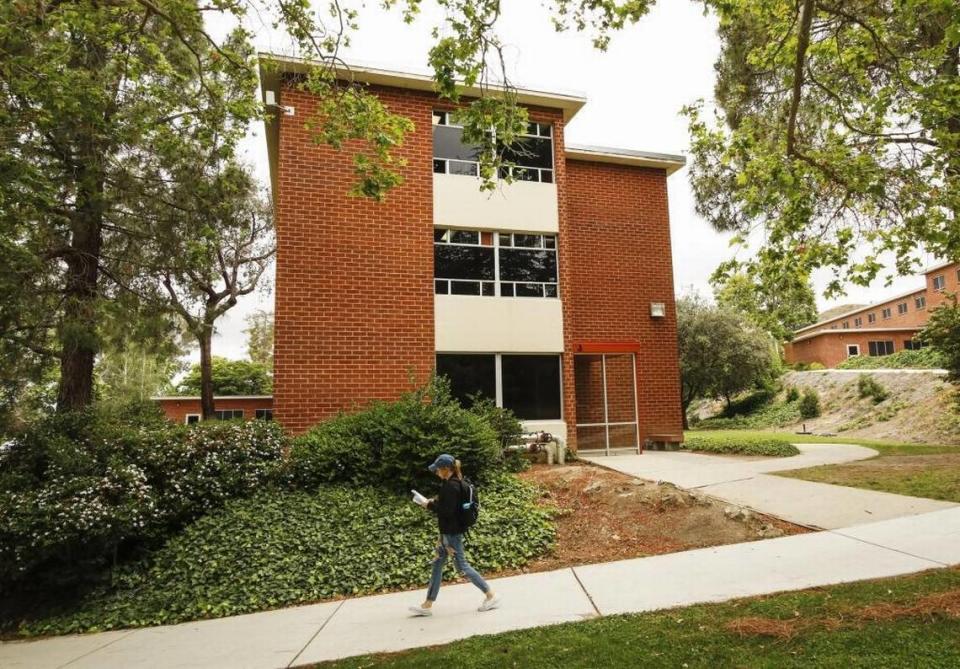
(925, 358)
(740, 445)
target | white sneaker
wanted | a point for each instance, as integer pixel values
(421, 611)
(489, 604)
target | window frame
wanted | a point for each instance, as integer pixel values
(871, 318)
(220, 413)
(874, 347)
(941, 280)
(902, 308)
(547, 241)
(853, 346)
(257, 414)
(887, 313)
(920, 302)
(606, 408)
(187, 417)
(858, 322)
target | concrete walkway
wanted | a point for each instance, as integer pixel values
(746, 482)
(303, 635)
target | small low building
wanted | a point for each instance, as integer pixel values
(228, 407)
(877, 329)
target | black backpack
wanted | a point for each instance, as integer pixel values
(469, 509)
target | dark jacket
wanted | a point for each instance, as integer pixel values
(447, 506)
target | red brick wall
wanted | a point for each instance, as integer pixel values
(354, 282)
(952, 280)
(615, 259)
(830, 348)
(177, 409)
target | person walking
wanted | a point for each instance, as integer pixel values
(447, 505)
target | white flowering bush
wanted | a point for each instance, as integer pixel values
(80, 490)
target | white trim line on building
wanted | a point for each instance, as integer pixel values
(606, 154)
(859, 310)
(853, 330)
(215, 397)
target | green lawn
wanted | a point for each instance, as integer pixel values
(920, 470)
(909, 621)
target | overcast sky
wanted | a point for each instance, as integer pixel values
(634, 92)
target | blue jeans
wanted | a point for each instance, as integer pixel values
(455, 543)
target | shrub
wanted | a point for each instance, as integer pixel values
(814, 366)
(867, 386)
(503, 421)
(281, 548)
(793, 394)
(391, 444)
(741, 444)
(810, 404)
(925, 358)
(772, 415)
(750, 402)
(78, 489)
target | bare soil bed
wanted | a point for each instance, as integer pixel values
(606, 516)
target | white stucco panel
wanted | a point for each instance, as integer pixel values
(524, 206)
(468, 324)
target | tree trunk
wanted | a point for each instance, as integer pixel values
(78, 333)
(683, 412)
(206, 373)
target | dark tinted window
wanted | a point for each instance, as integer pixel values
(531, 386)
(528, 152)
(463, 262)
(880, 347)
(528, 289)
(448, 143)
(464, 287)
(522, 265)
(191, 419)
(469, 375)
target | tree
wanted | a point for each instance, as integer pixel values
(213, 249)
(229, 377)
(260, 338)
(721, 354)
(135, 372)
(779, 309)
(837, 134)
(943, 333)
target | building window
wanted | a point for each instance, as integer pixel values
(530, 159)
(853, 350)
(469, 375)
(468, 262)
(833, 327)
(871, 318)
(887, 312)
(912, 344)
(846, 325)
(528, 385)
(229, 414)
(531, 386)
(902, 308)
(264, 414)
(920, 302)
(192, 418)
(878, 348)
(939, 283)
(857, 322)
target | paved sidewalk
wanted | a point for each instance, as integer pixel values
(306, 634)
(745, 482)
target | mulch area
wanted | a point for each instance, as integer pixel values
(605, 516)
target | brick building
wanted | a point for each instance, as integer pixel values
(229, 407)
(552, 295)
(876, 329)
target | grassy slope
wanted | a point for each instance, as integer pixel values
(903, 622)
(921, 470)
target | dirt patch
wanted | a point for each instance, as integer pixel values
(940, 604)
(605, 515)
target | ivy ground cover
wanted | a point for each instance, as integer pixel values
(283, 547)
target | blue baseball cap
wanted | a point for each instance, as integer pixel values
(444, 460)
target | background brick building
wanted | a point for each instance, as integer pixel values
(876, 329)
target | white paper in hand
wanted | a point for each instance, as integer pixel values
(419, 499)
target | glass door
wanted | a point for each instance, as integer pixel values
(606, 391)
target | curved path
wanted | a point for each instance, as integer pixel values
(302, 635)
(746, 482)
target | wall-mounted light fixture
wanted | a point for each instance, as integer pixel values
(658, 310)
(270, 100)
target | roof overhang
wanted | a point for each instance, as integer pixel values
(196, 398)
(859, 310)
(605, 154)
(851, 331)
